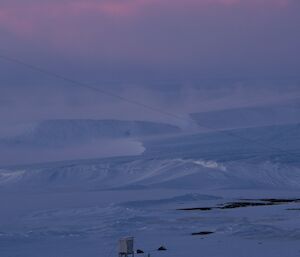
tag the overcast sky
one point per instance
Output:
(180, 56)
(158, 43)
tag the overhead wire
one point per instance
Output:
(77, 83)
(73, 82)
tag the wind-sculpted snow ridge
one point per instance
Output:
(106, 174)
(146, 173)
(68, 132)
(210, 160)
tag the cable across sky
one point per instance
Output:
(76, 83)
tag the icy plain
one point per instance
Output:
(177, 193)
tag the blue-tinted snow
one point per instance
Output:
(81, 208)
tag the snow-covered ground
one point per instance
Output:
(177, 187)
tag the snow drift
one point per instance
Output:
(269, 159)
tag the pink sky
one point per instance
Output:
(181, 56)
(29, 19)
(156, 36)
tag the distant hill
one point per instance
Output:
(68, 132)
(249, 116)
(259, 142)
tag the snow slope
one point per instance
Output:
(249, 116)
(81, 208)
(245, 158)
